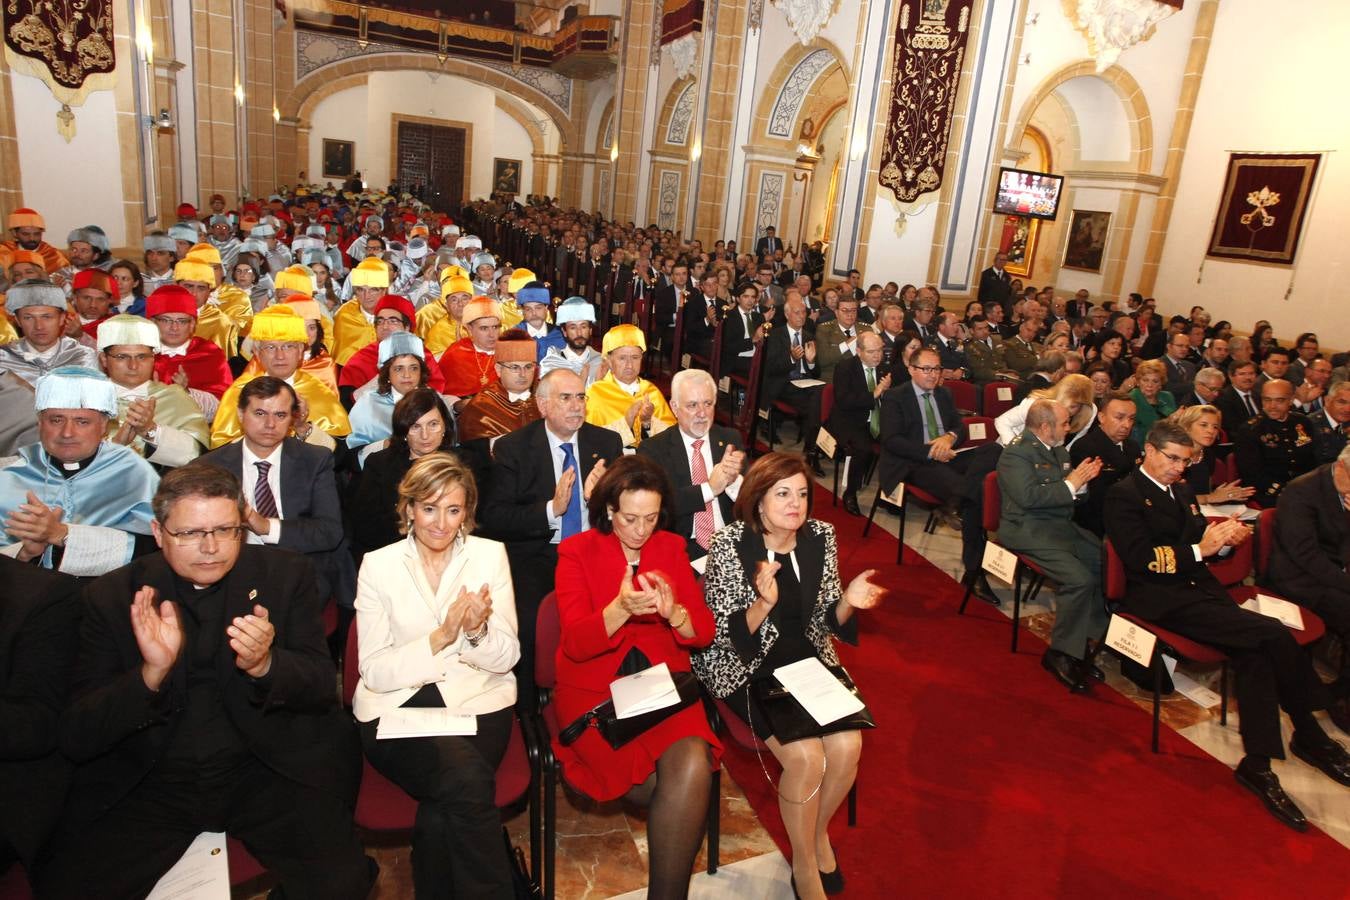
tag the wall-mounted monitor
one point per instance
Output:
(1023, 193)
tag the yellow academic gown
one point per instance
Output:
(325, 411)
(226, 319)
(8, 333)
(511, 314)
(351, 331)
(607, 404)
(174, 408)
(321, 367)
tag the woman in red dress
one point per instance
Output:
(627, 599)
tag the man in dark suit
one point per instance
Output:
(667, 301)
(1108, 440)
(1239, 403)
(741, 331)
(1180, 372)
(768, 245)
(291, 493)
(790, 354)
(996, 284)
(855, 422)
(1155, 525)
(954, 361)
(203, 700)
(703, 461)
(1309, 556)
(542, 476)
(1276, 447)
(39, 617)
(920, 429)
(1330, 423)
(700, 320)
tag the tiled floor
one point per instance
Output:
(602, 851)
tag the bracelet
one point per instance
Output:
(682, 621)
(477, 637)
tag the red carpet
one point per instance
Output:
(984, 777)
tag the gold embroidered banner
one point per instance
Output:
(1264, 203)
(930, 43)
(64, 43)
(680, 17)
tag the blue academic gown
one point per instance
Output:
(554, 339)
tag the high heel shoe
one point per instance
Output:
(833, 882)
(793, 881)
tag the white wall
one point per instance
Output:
(70, 184)
(364, 114)
(1246, 107)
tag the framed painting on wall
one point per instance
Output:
(1087, 240)
(505, 176)
(1019, 242)
(339, 158)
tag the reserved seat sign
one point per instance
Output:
(1130, 640)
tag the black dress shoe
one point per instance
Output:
(1095, 673)
(979, 587)
(1266, 786)
(851, 505)
(833, 882)
(1326, 755)
(1066, 669)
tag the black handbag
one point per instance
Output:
(789, 720)
(618, 731)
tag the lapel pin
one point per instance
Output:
(253, 595)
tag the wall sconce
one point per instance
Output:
(1026, 59)
(696, 151)
(1033, 19)
(163, 121)
(238, 93)
(276, 114)
(614, 152)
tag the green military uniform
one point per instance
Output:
(1019, 356)
(1037, 522)
(1271, 454)
(985, 361)
(829, 353)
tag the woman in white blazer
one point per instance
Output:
(436, 627)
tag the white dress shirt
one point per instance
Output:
(250, 482)
(555, 452)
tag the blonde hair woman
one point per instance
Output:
(1151, 402)
(436, 627)
(1204, 423)
(1074, 391)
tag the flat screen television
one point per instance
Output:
(1023, 193)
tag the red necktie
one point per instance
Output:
(703, 520)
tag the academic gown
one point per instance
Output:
(325, 411)
(491, 413)
(204, 363)
(184, 433)
(607, 404)
(351, 331)
(225, 318)
(363, 366)
(20, 358)
(436, 329)
(466, 369)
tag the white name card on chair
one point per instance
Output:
(685, 360)
(896, 496)
(201, 873)
(724, 384)
(1130, 640)
(764, 414)
(978, 432)
(1003, 393)
(999, 562)
(825, 443)
(616, 309)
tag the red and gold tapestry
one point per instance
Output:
(930, 42)
(680, 17)
(1264, 203)
(71, 40)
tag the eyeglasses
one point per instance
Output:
(174, 323)
(1183, 461)
(225, 534)
(517, 368)
(131, 357)
(927, 370)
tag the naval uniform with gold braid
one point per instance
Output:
(1155, 535)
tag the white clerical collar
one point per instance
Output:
(630, 389)
(517, 398)
(536, 332)
(480, 351)
(175, 351)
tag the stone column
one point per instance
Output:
(631, 106)
(723, 39)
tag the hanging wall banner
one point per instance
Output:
(67, 46)
(930, 43)
(1264, 203)
(680, 17)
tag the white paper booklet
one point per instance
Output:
(643, 692)
(1286, 612)
(433, 722)
(201, 873)
(818, 690)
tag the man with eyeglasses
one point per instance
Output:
(542, 477)
(72, 501)
(1277, 446)
(508, 405)
(159, 421)
(279, 341)
(1155, 525)
(224, 311)
(354, 322)
(1180, 371)
(191, 362)
(920, 429)
(202, 700)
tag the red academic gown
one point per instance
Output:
(204, 363)
(590, 567)
(466, 370)
(364, 365)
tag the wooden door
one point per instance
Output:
(432, 157)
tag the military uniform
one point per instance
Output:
(1117, 462)
(985, 361)
(1328, 437)
(1020, 357)
(1037, 521)
(1271, 454)
(1156, 535)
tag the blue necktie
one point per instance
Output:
(571, 519)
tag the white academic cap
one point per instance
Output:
(182, 231)
(77, 387)
(401, 343)
(34, 292)
(469, 242)
(159, 242)
(127, 330)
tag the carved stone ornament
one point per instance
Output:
(1113, 26)
(684, 53)
(806, 17)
